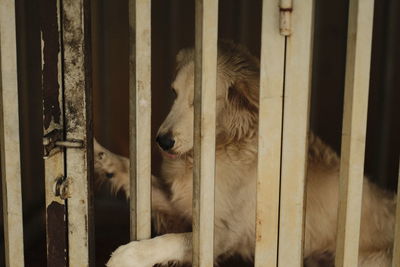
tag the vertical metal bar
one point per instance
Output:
(140, 117)
(359, 40)
(9, 138)
(396, 247)
(77, 96)
(205, 81)
(295, 134)
(56, 225)
(269, 139)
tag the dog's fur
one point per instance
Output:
(235, 187)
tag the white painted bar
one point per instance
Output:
(9, 138)
(204, 131)
(285, 4)
(270, 136)
(295, 134)
(358, 61)
(396, 247)
(140, 117)
(77, 127)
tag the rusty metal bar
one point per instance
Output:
(205, 81)
(359, 41)
(9, 138)
(56, 225)
(140, 117)
(269, 138)
(78, 118)
(295, 134)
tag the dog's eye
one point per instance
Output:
(109, 175)
(175, 95)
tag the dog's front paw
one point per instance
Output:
(134, 254)
(112, 168)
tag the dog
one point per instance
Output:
(235, 180)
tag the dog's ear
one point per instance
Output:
(239, 117)
(184, 55)
(244, 95)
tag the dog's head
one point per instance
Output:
(237, 100)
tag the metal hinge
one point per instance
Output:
(62, 187)
(52, 143)
(285, 9)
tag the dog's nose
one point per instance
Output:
(165, 141)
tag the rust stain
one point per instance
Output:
(56, 235)
(288, 9)
(51, 49)
(258, 234)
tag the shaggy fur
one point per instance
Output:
(235, 188)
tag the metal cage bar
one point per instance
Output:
(295, 134)
(77, 98)
(359, 41)
(140, 117)
(269, 137)
(53, 124)
(9, 138)
(205, 81)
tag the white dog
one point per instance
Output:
(235, 189)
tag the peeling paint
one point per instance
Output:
(77, 88)
(56, 227)
(55, 221)
(50, 56)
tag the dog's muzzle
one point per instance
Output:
(165, 141)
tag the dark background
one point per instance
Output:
(173, 29)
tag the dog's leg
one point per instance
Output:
(158, 250)
(111, 168)
(115, 170)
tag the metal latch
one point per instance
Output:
(62, 187)
(285, 8)
(52, 142)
